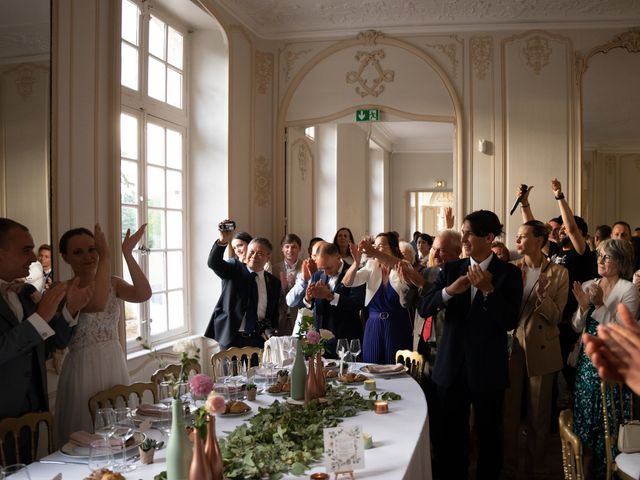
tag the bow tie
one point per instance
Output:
(15, 286)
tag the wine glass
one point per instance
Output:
(100, 454)
(17, 471)
(104, 423)
(355, 348)
(124, 429)
(342, 349)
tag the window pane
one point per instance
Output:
(130, 22)
(174, 189)
(174, 229)
(156, 271)
(176, 309)
(157, 81)
(174, 149)
(128, 182)
(155, 187)
(128, 136)
(174, 270)
(157, 37)
(158, 311)
(129, 219)
(132, 320)
(155, 144)
(155, 228)
(174, 88)
(129, 66)
(174, 54)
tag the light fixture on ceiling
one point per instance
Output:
(441, 183)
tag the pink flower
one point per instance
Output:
(215, 403)
(313, 337)
(201, 385)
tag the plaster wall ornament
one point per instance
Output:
(302, 153)
(630, 40)
(264, 70)
(290, 58)
(370, 75)
(370, 37)
(481, 55)
(537, 52)
(262, 177)
(451, 51)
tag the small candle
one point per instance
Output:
(319, 476)
(368, 440)
(369, 384)
(381, 406)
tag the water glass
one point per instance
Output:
(100, 455)
(124, 429)
(342, 349)
(17, 471)
(104, 423)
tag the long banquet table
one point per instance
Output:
(400, 440)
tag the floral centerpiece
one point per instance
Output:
(200, 385)
(314, 341)
(189, 354)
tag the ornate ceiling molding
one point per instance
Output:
(264, 70)
(481, 55)
(370, 37)
(290, 59)
(451, 51)
(629, 40)
(370, 62)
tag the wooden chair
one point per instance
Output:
(161, 374)
(413, 361)
(571, 447)
(109, 398)
(245, 354)
(31, 422)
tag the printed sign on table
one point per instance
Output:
(343, 448)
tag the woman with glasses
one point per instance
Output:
(597, 302)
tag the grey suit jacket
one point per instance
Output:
(23, 377)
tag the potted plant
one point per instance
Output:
(252, 391)
(147, 449)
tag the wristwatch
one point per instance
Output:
(560, 196)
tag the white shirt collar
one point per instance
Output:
(483, 264)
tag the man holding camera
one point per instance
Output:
(247, 311)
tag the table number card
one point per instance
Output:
(343, 448)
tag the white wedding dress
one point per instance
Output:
(95, 362)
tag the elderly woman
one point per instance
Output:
(597, 302)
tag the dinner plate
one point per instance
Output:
(365, 369)
(239, 414)
(277, 394)
(358, 382)
(73, 450)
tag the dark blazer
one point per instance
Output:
(342, 319)
(22, 358)
(474, 340)
(232, 304)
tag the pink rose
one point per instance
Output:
(200, 385)
(313, 337)
(215, 403)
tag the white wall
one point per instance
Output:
(352, 179)
(325, 181)
(413, 172)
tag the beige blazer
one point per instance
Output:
(538, 330)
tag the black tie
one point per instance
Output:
(251, 314)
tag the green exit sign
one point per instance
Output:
(368, 115)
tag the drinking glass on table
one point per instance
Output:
(355, 348)
(100, 454)
(124, 430)
(104, 423)
(17, 471)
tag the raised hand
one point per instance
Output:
(581, 296)
(524, 195)
(481, 279)
(227, 235)
(49, 302)
(130, 241)
(356, 251)
(77, 297)
(309, 267)
(102, 247)
(449, 218)
(556, 187)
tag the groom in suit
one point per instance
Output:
(481, 296)
(29, 331)
(247, 311)
(336, 307)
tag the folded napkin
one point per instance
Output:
(385, 368)
(154, 410)
(84, 439)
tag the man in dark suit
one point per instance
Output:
(336, 307)
(481, 295)
(29, 331)
(247, 310)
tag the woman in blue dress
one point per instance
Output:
(598, 300)
(389, 326)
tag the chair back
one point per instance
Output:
(571, 447)
(251, 356)
(414, 361)
(162, 374)
(31, 422)
(613, 415)
(109, 398)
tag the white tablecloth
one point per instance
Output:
(400, 439)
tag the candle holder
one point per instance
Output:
(319, 476)
(370, 385)
(381, 406)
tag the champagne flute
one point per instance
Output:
(104, 423)
(124, 430)
(100, 455)
(355, 348)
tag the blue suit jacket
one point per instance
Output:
(473, 347)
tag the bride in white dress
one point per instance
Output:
(95, 361)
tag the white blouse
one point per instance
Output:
(623, 292)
